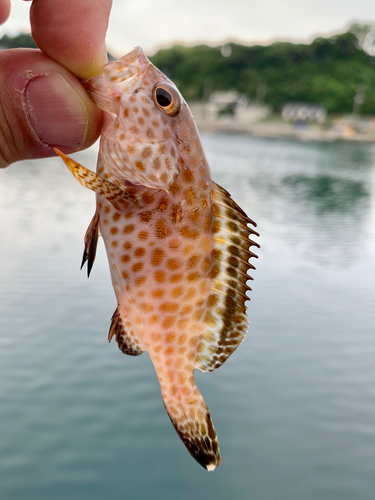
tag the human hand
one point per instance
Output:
(42, 101)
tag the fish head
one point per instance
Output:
(146, 124)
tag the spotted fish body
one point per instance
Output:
(177, 244)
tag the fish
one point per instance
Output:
(178, 246)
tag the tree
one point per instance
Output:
(21, 40)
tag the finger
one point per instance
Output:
(42, 106)
(4, 10)
(72, 32)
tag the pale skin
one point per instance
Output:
(44, 103)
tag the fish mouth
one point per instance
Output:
(121, 72)
(135, 59)
(123, 75)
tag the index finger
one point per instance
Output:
(72, 32)
(4, 10)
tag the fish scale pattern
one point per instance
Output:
(177, 244)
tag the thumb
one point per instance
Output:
(42, 106)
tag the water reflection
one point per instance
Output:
(324, 218)
(328, 216)
(326, 194)
(296, 403)
(310, 200)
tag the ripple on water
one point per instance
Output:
(294, 407)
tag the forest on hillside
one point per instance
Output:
(22, 40)
(329, 71)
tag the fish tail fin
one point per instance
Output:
(192, 420)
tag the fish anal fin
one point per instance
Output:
(91, 242)
(125, 337)
(192, 421)
(226, 319)
(120, 198)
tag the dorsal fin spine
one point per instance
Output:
(226, 318)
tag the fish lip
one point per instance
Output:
(119, 77)
(136, 54)
(129, 69)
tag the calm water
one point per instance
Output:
(294, 407)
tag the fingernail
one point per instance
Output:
(56, 111)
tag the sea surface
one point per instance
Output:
(294, 407)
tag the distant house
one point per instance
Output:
(232, 105)
(303, 112)
(227, 101)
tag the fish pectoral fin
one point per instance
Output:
(125, 336)
(118, 197)
(226, 319)
(91, 242)
(145, 164)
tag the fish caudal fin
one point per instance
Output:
(226, 319)
(91, 242)
(192, 421)
(118, 197)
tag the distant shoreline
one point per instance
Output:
(339, 130)
(278, 131)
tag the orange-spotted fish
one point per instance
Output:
(177, 244)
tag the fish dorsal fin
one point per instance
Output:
(226, 319)
(125, 336)
(120, 197)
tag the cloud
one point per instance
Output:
(18, 20)
(153, 24)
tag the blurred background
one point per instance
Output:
(288, 127)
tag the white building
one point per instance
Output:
(232, 105)
(303, 112)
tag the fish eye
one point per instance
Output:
(167, 99)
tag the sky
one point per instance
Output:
(161, 23)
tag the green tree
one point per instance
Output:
(21, 40)
(328, 71)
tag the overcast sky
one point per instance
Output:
(156, 23)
